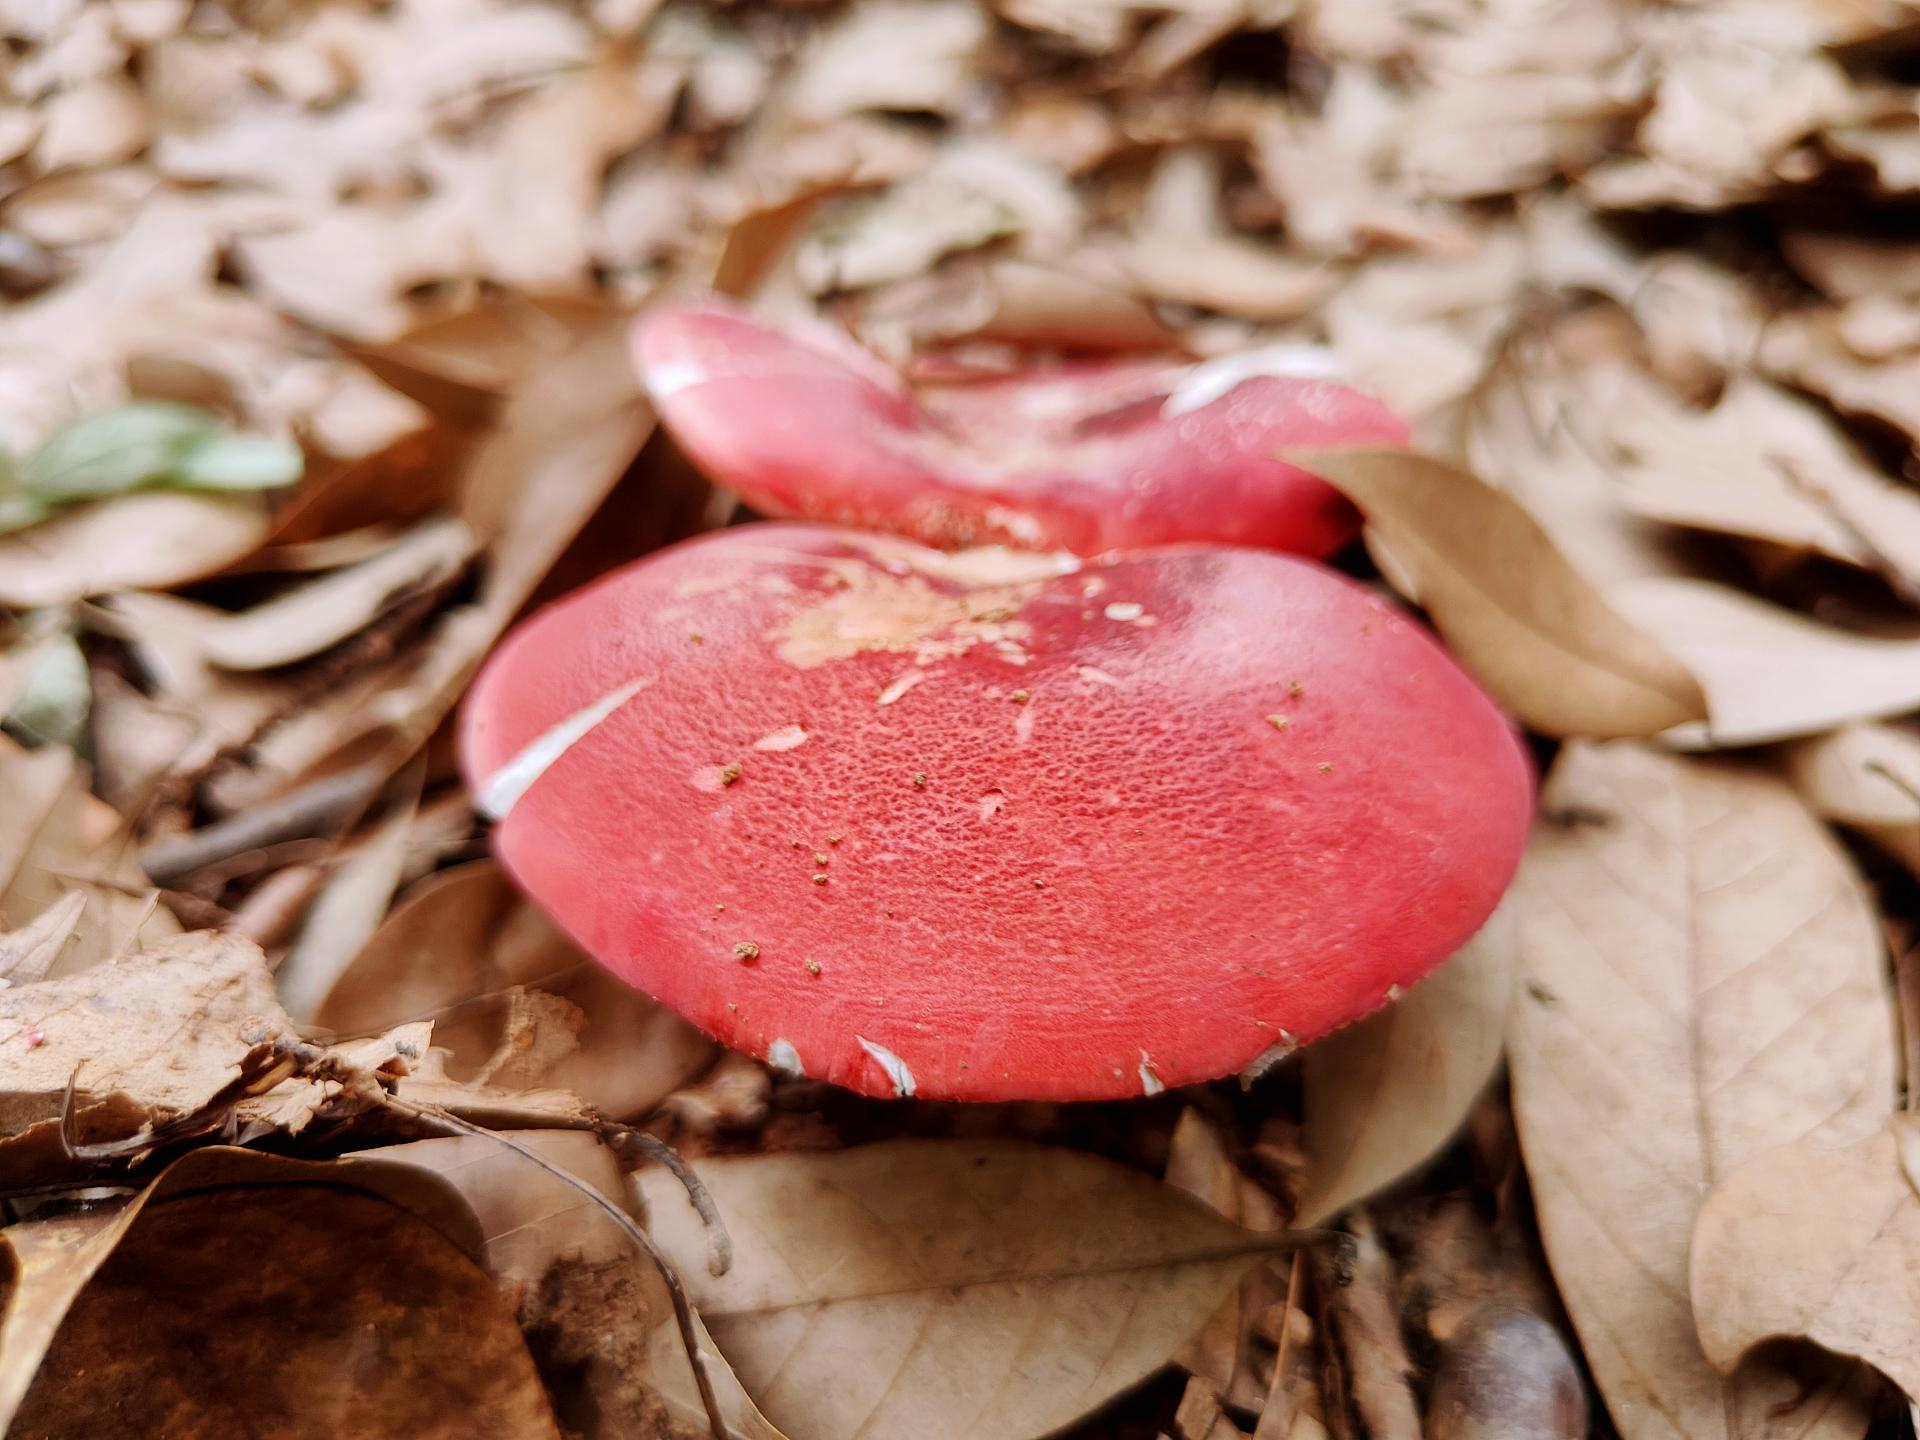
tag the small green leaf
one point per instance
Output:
(116, 451)
(18, 510)
(228, 461)
(53, 708)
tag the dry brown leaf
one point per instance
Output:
(940, 1289)
(592, 1305)
(887, 55)
(58, 839)
(1809, 349)
(145, 1039)
(1224, 1353)
(973, 192)
(1769, 673)
(1819, 1241)
(1383, 1096)
(321, 613)
(149, 541)
(27, 954)
(458, 946)
(1362, 1318)
(346, 913)
(1017, 301)
(334, 1300)
(1867, 777)
(1545, 642)
(1702, 980)
(1765, 465)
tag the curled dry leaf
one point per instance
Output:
(940, 1290)
(1770, 674)
(1384, 1095)
(157, 1035)
(1765, 465)
(457, 948)
(1546, 643)
(1701, 980)
(1817, 1241)
(247, 1294)
(1867, 777)
(593, 1307)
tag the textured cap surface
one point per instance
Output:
(1087, 458)
(991, 825)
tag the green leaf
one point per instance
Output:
(141, 444)
(53, 708)
(228, 461)
(114, 452)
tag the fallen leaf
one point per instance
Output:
(142, 1040)
(59, 840)
(27, 954)
(458, 946)
(887, 55)
(318, 1300)
(1361, 1316)
(1701, 980)
(321, 613)
(147, 443)
(1741, 648)
(592, 1306)
(1867, 777)
(1819, 1241)
(1546, 643)
(1767, 466)
(149, 541)
(345, 913)
(946, 1289)
(53, 701)
(973, 192)
(1224, 1355)
(1382, 1097)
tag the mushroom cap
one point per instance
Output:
(990, 825)
(1087, 458)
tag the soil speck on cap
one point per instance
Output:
(730, 773)
(1279, 722)
(1020, 697)
(746, 950)
(820, 879)
(813, 967)
(1296, 689)
(833, 839)
(919, 779)
(818, 858)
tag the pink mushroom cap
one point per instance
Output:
(990, 825)
(1087, 457)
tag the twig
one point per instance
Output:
(719, 1242)
(682, 1309)
(329, 803)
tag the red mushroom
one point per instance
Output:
(1087, 458)
(986, 824)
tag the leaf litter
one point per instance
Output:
(313, 378)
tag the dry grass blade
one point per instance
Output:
(1701, 980)
(1546, 643)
